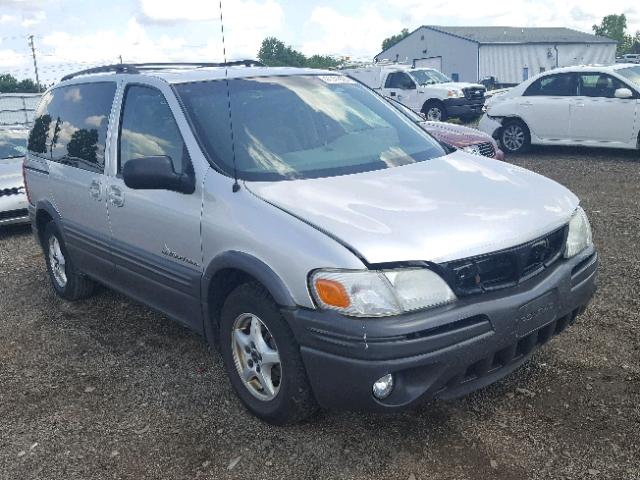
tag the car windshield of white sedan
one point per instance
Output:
(429, 77)
(13, 143)
(632, 74)
(303, 126)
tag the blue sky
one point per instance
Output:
(72, 34)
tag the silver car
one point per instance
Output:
(13, 200)
(333, 251)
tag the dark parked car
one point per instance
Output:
(464, 138)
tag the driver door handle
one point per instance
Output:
(116, 196)
(95, 189)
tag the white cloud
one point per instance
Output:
(246, 22)
(578, 14)
(10, 58)
(33, 19)
(358, 34)
(4, 18)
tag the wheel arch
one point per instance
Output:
(45, 213)
(226, 272)
(433, 101)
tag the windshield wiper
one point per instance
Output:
(11, 156)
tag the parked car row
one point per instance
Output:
(335, 254)
(594, 106)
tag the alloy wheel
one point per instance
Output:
(256, 357)
(57, 262)
(513, 137)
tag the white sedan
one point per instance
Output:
(591, 106)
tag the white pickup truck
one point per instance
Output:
(423, 90)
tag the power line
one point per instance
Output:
(35, 63)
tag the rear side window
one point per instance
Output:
(148, 128)
(71, 124)
(562, 85)
(598, 85)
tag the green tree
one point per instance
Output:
(275, 53)
(10, 84)
(321, 61)
(615, 27)
(393, 39)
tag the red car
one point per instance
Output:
(464, 138)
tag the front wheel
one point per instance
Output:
(435, 112)
(262, 357)
(515, 137)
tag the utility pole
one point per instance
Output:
(35, 63)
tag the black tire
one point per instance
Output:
(434, 105)
(515, 137)
(77, 285)
(294, 401)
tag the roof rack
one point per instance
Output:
(138, 67)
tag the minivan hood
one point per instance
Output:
(448, 208)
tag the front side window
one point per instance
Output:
(399, 80)
(561, 85)
(632, 74)
(598, 85)
(148, 128)
(71, 124)
(309, 126)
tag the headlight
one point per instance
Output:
(473, 149)
(579, 236)
(455, 93)
(370, 293)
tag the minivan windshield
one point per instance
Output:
(632, 74)
(302, 126)
(428, 77)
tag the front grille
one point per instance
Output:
(487, 150)
(13, 214)
(6, 192)
(505, 268)
(474, 93)
(508, 356)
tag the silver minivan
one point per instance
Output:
(335, 253)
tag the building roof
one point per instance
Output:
(521, 34)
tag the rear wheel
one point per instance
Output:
(515, 137)
(262, 357)
(65, 278)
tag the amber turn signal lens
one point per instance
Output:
(332, 293)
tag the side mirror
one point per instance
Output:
(156, 173)
(623, 93)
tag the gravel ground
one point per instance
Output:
(106, 388)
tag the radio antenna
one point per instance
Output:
(236, 185)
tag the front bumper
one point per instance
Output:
(13, 207)
(462, 107)
(489, 125)
(445, 352)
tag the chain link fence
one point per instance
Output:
(18, 108)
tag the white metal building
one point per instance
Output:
(510, 54)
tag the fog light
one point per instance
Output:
(383, 386)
